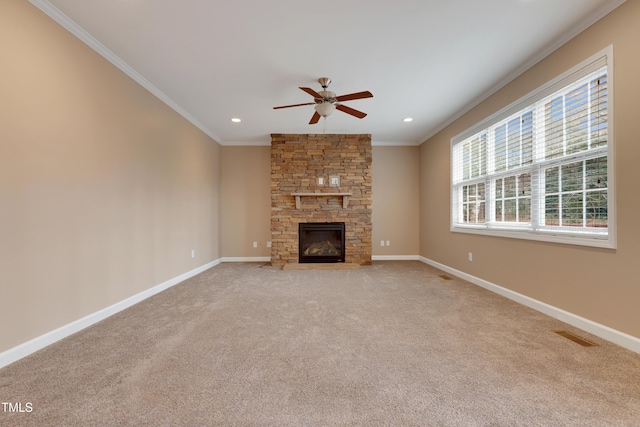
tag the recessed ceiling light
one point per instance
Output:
(236, 120)
(407, 119)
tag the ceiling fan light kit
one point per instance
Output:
(325, 109)
(326, 102)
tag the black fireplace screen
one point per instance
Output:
(320, 242)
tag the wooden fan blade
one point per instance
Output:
(314, 118)
(311, 92)
(352, 96)
(349, 110)
(294, 105)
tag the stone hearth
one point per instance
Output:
(297, 161)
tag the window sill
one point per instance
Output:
(606, 242)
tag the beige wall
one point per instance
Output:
(104, 190)
(600, 285)
(395, 200)
(246, 201)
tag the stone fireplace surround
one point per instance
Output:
(297, 161)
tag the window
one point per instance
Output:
(542, 168)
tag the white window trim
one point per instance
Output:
(546, 235)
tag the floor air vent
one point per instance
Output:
(576, 339)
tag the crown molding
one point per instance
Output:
(54, 13)
(542, 54)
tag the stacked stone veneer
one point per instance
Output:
(296, 163)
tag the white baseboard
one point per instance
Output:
(373, 258)
(246, 259)
(620, 338)
(395, 258)
(16, 353)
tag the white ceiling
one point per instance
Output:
(431, 60)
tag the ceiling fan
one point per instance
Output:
(326, 101)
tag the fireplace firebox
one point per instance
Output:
(321, 242)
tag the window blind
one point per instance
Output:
(541, 166)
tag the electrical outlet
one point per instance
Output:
(381, 242)
(268, 244)
(470, 256)
(255, 244)
(193, 253)
(388, 243)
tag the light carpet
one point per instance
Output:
(392, 344)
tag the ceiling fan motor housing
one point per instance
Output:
(327, 96)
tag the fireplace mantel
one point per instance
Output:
(299, 196)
